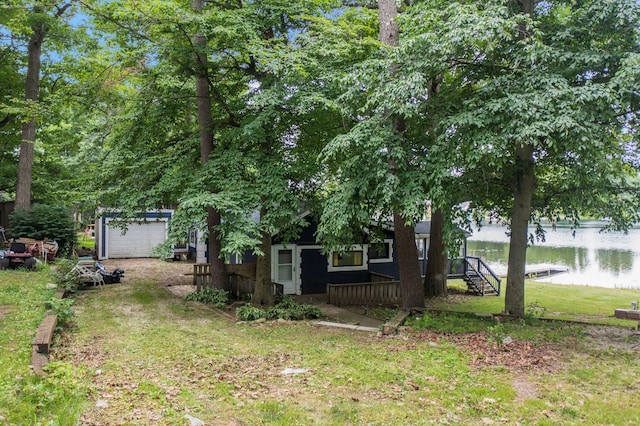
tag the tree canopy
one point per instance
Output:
(524, 109)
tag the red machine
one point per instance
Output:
(19, 254)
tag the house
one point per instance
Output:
(302, 267)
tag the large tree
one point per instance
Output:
(41, 18)
(11, 84)
(394, 101)
(411, 288)
(543, 127)
(250, 136)
(273, 135)
(435, 280)
(45, 100)
(171, 126)
(206, 133)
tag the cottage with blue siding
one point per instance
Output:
(302, 268)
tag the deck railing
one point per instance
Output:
(375, 277)
(378, 292)
(201, 276)
(489, 281)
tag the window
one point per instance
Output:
(381, 252)
(420, 245)
(352, 260)
(349, 258)
(285, 265)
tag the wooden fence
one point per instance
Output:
(372, 293)
(242, 278)
(201, 276)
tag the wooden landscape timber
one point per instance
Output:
(391, 326)
(43, 340)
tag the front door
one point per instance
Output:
(284, 270)
(314, 271)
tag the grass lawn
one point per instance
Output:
(139, 355)
(85, 242)
(552, 301)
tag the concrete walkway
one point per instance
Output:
(340, 315)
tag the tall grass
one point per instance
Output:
(25, 398)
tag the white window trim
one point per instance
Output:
(420, 249)
(386, 259)
(363, 267)
(422, 255)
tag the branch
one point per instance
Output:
(456, 62)
(62, 9)
(212, 89)
(116, 22)
(6, 120)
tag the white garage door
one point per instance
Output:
(138, 241)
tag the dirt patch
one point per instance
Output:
(612, 338)
(91, 353)
(4, 310)
(162, 272)
(175, 277)
(517, 355)
(525, 388)
(181, 290)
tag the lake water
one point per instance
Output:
(593, 258)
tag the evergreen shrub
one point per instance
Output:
(44, 221)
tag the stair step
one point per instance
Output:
(477, 284)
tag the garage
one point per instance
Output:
(137, 239)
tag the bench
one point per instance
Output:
(180, 253)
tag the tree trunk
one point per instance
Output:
(411, 286)
(219, 278)
(25, 160)
(387, 13)
(523, 188)
(435, 280)
(263, 290)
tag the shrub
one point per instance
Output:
(61, 308)
(287, 309)
(43, 221)
(250, 313)
(63, 276)
(215, 296)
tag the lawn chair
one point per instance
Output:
(84, 274)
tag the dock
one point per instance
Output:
(545, 271)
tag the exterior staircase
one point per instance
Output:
(480, 279)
